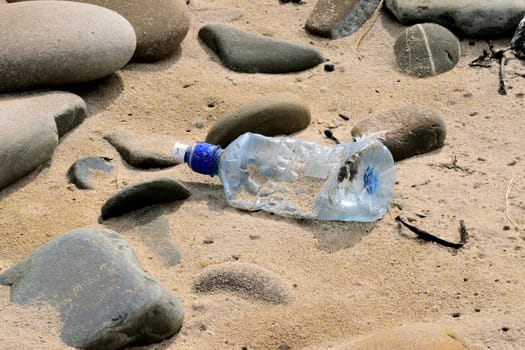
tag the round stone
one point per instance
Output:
(48, 43)
(426, 49)
(272, 115)
(406, 132)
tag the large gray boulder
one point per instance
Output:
(28, 138)
(48, 43)
(160, 25)
(474, 18)
(105, 299)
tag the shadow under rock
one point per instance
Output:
(98, 94)
(332, 236)
(140, 217)
(155, 66)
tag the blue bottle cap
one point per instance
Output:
(203, 158)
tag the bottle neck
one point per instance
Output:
(203, 158)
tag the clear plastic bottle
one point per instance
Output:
(294, 178)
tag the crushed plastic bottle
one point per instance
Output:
(299, 179)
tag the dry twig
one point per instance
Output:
(509, 188)
(366, 28)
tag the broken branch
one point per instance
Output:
(463, 234)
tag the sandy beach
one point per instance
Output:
(345, 280)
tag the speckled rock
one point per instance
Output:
(246, 280)
(143, 151)
(68, 110)
(28, 138)
(60, 42)
(407, 131)
(335, 18)
(155, 191)
(271, 115)
(79, 172)
(254, 53)
(105, 299)
(426, 49)
(474, 18)
(160, 26)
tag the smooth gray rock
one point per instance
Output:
(339, 18)
(49, 43)
(105, 299)
(160, 26)
(518, 40)
(406, 131)
(155, 191)
(248, 52)
(79, 172)
(28, 138)
(426, 49)
(473, 18)
(68, 110)
(246, 280)
(271, 115)
(142, 150)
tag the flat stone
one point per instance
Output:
(52, 43)
(407, 131)
(143, 151)
(105, 299)
(68, 110)
(28, 138)
(271, 115)
(249, 52)
(160, 26)
(79, 172)
(426, 50)
(156, 191)
(336, 19)
(473, 18)
(245, 280)
(518, 40)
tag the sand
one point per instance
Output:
(347, 280)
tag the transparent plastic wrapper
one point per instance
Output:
(299, 179)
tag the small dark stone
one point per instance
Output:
(505, 329)
(329, 67)
(506, 228)
(156, 191)
(456, 314)
(79, 172)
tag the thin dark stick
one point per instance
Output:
(431, 238)
(344, 117)
(502, 81)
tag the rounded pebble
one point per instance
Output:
(426, 49)
(271, 115)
